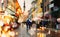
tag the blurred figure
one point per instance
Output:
(32, 30)
(28, 23)
(58, 23)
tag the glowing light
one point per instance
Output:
(12, 33)
(9, 6)
(6, 28)
(49, 32)
(16, 33)
(3, 35)
(1, 23)
(58, 19)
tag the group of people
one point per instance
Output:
(30, 24)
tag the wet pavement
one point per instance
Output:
(22, 31)
(48, 32)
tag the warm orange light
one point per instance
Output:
(18, 9)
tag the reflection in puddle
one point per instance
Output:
(41, 34)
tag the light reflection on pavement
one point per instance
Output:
(41, 34)
(22, 32)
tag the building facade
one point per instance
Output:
(3, 4)
(47, 6)
(37, 10)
